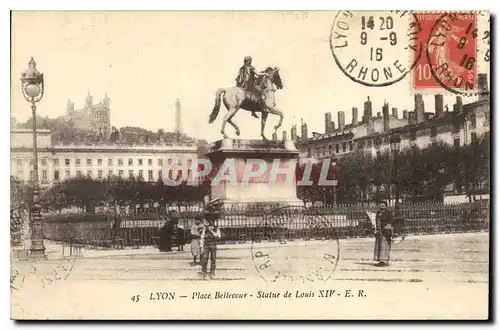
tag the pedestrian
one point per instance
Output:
(178, 235)
(196, 230)
(384, 231)
(165, 241)
(208, 241)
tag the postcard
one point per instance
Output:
(250, 165)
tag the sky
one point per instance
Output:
(145, 60)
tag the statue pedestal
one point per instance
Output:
(252, 173)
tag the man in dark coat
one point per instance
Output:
(165, 242)
(384, 232)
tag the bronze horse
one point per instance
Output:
(236, 98)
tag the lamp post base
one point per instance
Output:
(37, 250)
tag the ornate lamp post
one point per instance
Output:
(395, 141)
(33, 88)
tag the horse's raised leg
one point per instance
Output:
(227, 117)
(263, 125)
(275, 111)
(230, 121)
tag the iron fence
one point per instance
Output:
(243, 223)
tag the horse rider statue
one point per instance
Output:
(254, 92)
(247, 77)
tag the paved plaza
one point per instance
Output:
(453, 268)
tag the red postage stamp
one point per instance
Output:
(449, 60)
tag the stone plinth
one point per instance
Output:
(254, 172)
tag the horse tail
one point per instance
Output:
(216, 109)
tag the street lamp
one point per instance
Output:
(33, 88)
(395, 141)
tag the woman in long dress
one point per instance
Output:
(196, 230)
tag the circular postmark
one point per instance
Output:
(375, 48)
(301, 247)
(453, 54)
(41, 273)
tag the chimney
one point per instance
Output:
(341, 118)
(354, 116)
(275, 136)
(458, 107)
(367, 112)
(328, 119)
(438, 105)
(385, 113)
(332, 126)
(293, 133)
(370, 127)
(395, 112)
(379, 114)
(412, 118)
(405, 114)
(419, 108)
(482, 82)
(284, 136)
(303, 130)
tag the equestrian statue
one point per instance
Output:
(253, 92)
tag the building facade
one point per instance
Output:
(460, 126)
(60, 161)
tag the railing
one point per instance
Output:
(240, 224)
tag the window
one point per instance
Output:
(120, 162)
(189, 162)
(131, 174)
(141, 174)
(89, 161)
(44, 161)
(99, 174)
(350, 145)
(337, 148)
(179, 161)
(473, 120)
(179, 174)
(44, 175)
(110, 162)
(150, 175)
(56, 175)
(19, 162)
(150, 162)
(120, 173)
(77, 162)
(130, 162)
(160, 161)
(487, 118)
(55, 162)
(110, 173)
(89, 174)
(189, 174)
(344, 146)
(433, 131)
(378, 153)
(31, 161)
(67, 173)
(170, 175)
(31, 175)
(78, 174)
(99, 162)
(160, 174)
(456, 142)
(66, 162)
(169, 161)
(369, 143)
(473, 137)
(139, 161)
